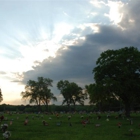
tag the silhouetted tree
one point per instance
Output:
(71, 92)
(118, 72)
(38, 92)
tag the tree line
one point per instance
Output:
(39, 92)
(116, 79)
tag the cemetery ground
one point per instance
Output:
(71, 126)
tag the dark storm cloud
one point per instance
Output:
(109, 37)
(77, 62)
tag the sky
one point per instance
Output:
(60, 40)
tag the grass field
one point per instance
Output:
(62, 128)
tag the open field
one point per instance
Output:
(64, 128)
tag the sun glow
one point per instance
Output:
(9, 89)
(61, 29)
(39, 50)
(33, 52)
(114, 13)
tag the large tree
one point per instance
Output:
(71, 92)
(118, 72)
(1, 98)
(38, 92)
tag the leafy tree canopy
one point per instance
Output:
(71, 92)
(118, 72)
(38, 92)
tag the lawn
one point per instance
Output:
(62, 127)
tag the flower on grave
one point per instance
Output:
(69, 117)
(2, 118)
(11, 122)
(6, 135)
(4, 127)
(26, 122)
(119, 124)
(44, 123)
(97, 125)
(131, 131)
(58, 124)
(108, 115)
(107, 119)
(83, 122)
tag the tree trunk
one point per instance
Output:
(127, 110)
(74, 105)
(69, 107)
(100, 106)
(47, 107)
(39, 108)
(38, 105)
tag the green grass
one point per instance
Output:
(35, 130)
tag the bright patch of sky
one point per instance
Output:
(114, 13)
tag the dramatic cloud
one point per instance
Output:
(64, 41)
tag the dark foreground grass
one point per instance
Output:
(35, 130)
